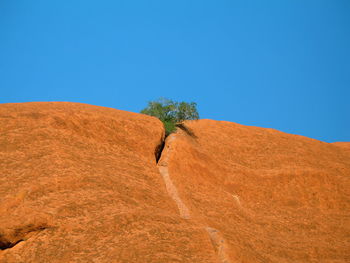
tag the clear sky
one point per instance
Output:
(277, 64)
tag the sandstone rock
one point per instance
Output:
(80, 183)
(344, 145)
(274, 197)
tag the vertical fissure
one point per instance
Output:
(163, 152)
(159, 150)
(162, 164)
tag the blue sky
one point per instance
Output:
(276, 64)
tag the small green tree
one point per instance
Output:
(186, 111)
(171, 113)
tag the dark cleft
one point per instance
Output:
(159, 150)
(4, 244)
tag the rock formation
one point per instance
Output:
(273, 197)
(81, 183)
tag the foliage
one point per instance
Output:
(171, 112)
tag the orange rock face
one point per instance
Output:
(344, 145)
(273, 197)
(80, 183)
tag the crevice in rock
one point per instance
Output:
(163, 151)
(162, 165)
(17, 236)
(6, 244)
(159, 149)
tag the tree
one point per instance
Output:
(171, 113)
(186, 111)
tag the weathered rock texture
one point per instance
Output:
(344, 145)
(80, 183)
(273, 197)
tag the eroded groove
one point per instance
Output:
(5, 244)
(19, 235)
(164, 172)
(172, 192)
(219, 244)
(158, 151)
(216, 238)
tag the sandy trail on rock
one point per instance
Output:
(215, 236)
(172, 191)
(170, 187)
(219, 244)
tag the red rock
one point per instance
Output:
(80, 183)
(274, 197)
(344, 145)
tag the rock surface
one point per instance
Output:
(344, 145)
(274, 197)
(80, 183)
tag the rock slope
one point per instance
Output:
(273, 197)
(81, 183)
